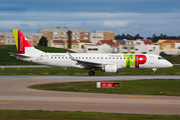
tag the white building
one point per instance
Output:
(139, 47)
(99, 49)
(153, 49)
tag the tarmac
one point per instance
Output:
(15, 95)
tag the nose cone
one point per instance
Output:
(169, 64)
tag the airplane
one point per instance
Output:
(106, 62)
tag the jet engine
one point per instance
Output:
(111, 69)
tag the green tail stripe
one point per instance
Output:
(16, 37)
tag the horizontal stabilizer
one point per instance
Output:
(15, 55)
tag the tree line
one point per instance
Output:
(128, 36)
(154, 38)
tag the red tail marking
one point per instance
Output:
(22, 43)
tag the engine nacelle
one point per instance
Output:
(111, 69)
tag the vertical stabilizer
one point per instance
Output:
(22, 44)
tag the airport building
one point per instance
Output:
(60, 33)
(101, 35)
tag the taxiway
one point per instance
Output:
(15, 95)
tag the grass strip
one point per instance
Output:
(64, 115)
(175, 70)
(168, 87)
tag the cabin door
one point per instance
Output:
(46, 58)
(151, 59)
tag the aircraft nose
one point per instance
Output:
(169, 64)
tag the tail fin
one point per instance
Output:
(22, 44)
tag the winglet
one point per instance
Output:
(71, 57)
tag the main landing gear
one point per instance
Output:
(154, 70)
(91, 73)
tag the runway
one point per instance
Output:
(74, 77)
(15, 95)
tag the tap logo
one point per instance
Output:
(134, 60)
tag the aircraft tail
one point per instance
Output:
(23, 45)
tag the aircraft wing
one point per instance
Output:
(85, 63)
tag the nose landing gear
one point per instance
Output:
(154, 70)
(91, 73)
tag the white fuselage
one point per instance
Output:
(63, 60)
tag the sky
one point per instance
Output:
(144, 17)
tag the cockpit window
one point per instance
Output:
(160, 58)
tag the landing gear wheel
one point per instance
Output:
(154, 70)
(91, 73)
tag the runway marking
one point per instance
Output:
(37, 78)
(5, 102)
(135, 96)
(99, 104)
